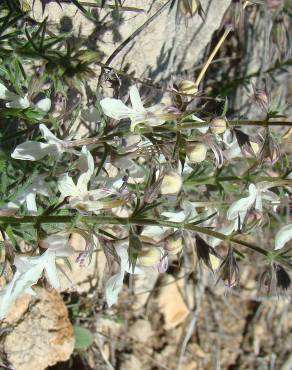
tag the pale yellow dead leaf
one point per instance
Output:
(171, 302)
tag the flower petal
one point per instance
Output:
(86, 161)
(41, 187)
(175, 216)
(283, 236)
(136, 99)
(33, 151)
(7, 298)
(86, 164)
(3, 91)
(67, 187)
(19, 102)
(31, 203)
(44, 104)
(6, 94)
(49, 136)
(115, 108)
(240, 207)
(270, 196)
(22, 282)
(58, 244)
(51, 270)
(113, 287)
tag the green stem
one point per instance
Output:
(252, 178)
(186, 125)
(259, 123)
(201, 230)
(105, 220)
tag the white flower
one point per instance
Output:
(115, 284)
(257, 194)
(80, 196)
(149, 257)
(33, 151)
(17, 101)
(116, 109)
(28, 196)
(30, 269)
(283, 236)
(14, 100)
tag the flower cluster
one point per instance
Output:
(151, 172)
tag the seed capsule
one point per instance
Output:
(218, 126)
(187, 87)
(149, 256)
(171, 183)
(174, 246)
(196, 152)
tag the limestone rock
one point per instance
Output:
(42, 334)
(179, 41)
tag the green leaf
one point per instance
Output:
(135, 247)
(225, 108)
(83, 337)
(9, 231)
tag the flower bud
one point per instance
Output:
(187, 87)
(261, 98)
(196, 152)
(171, 183)
(218, 125)
(174, 246)
(149, 256)
(229, 270)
